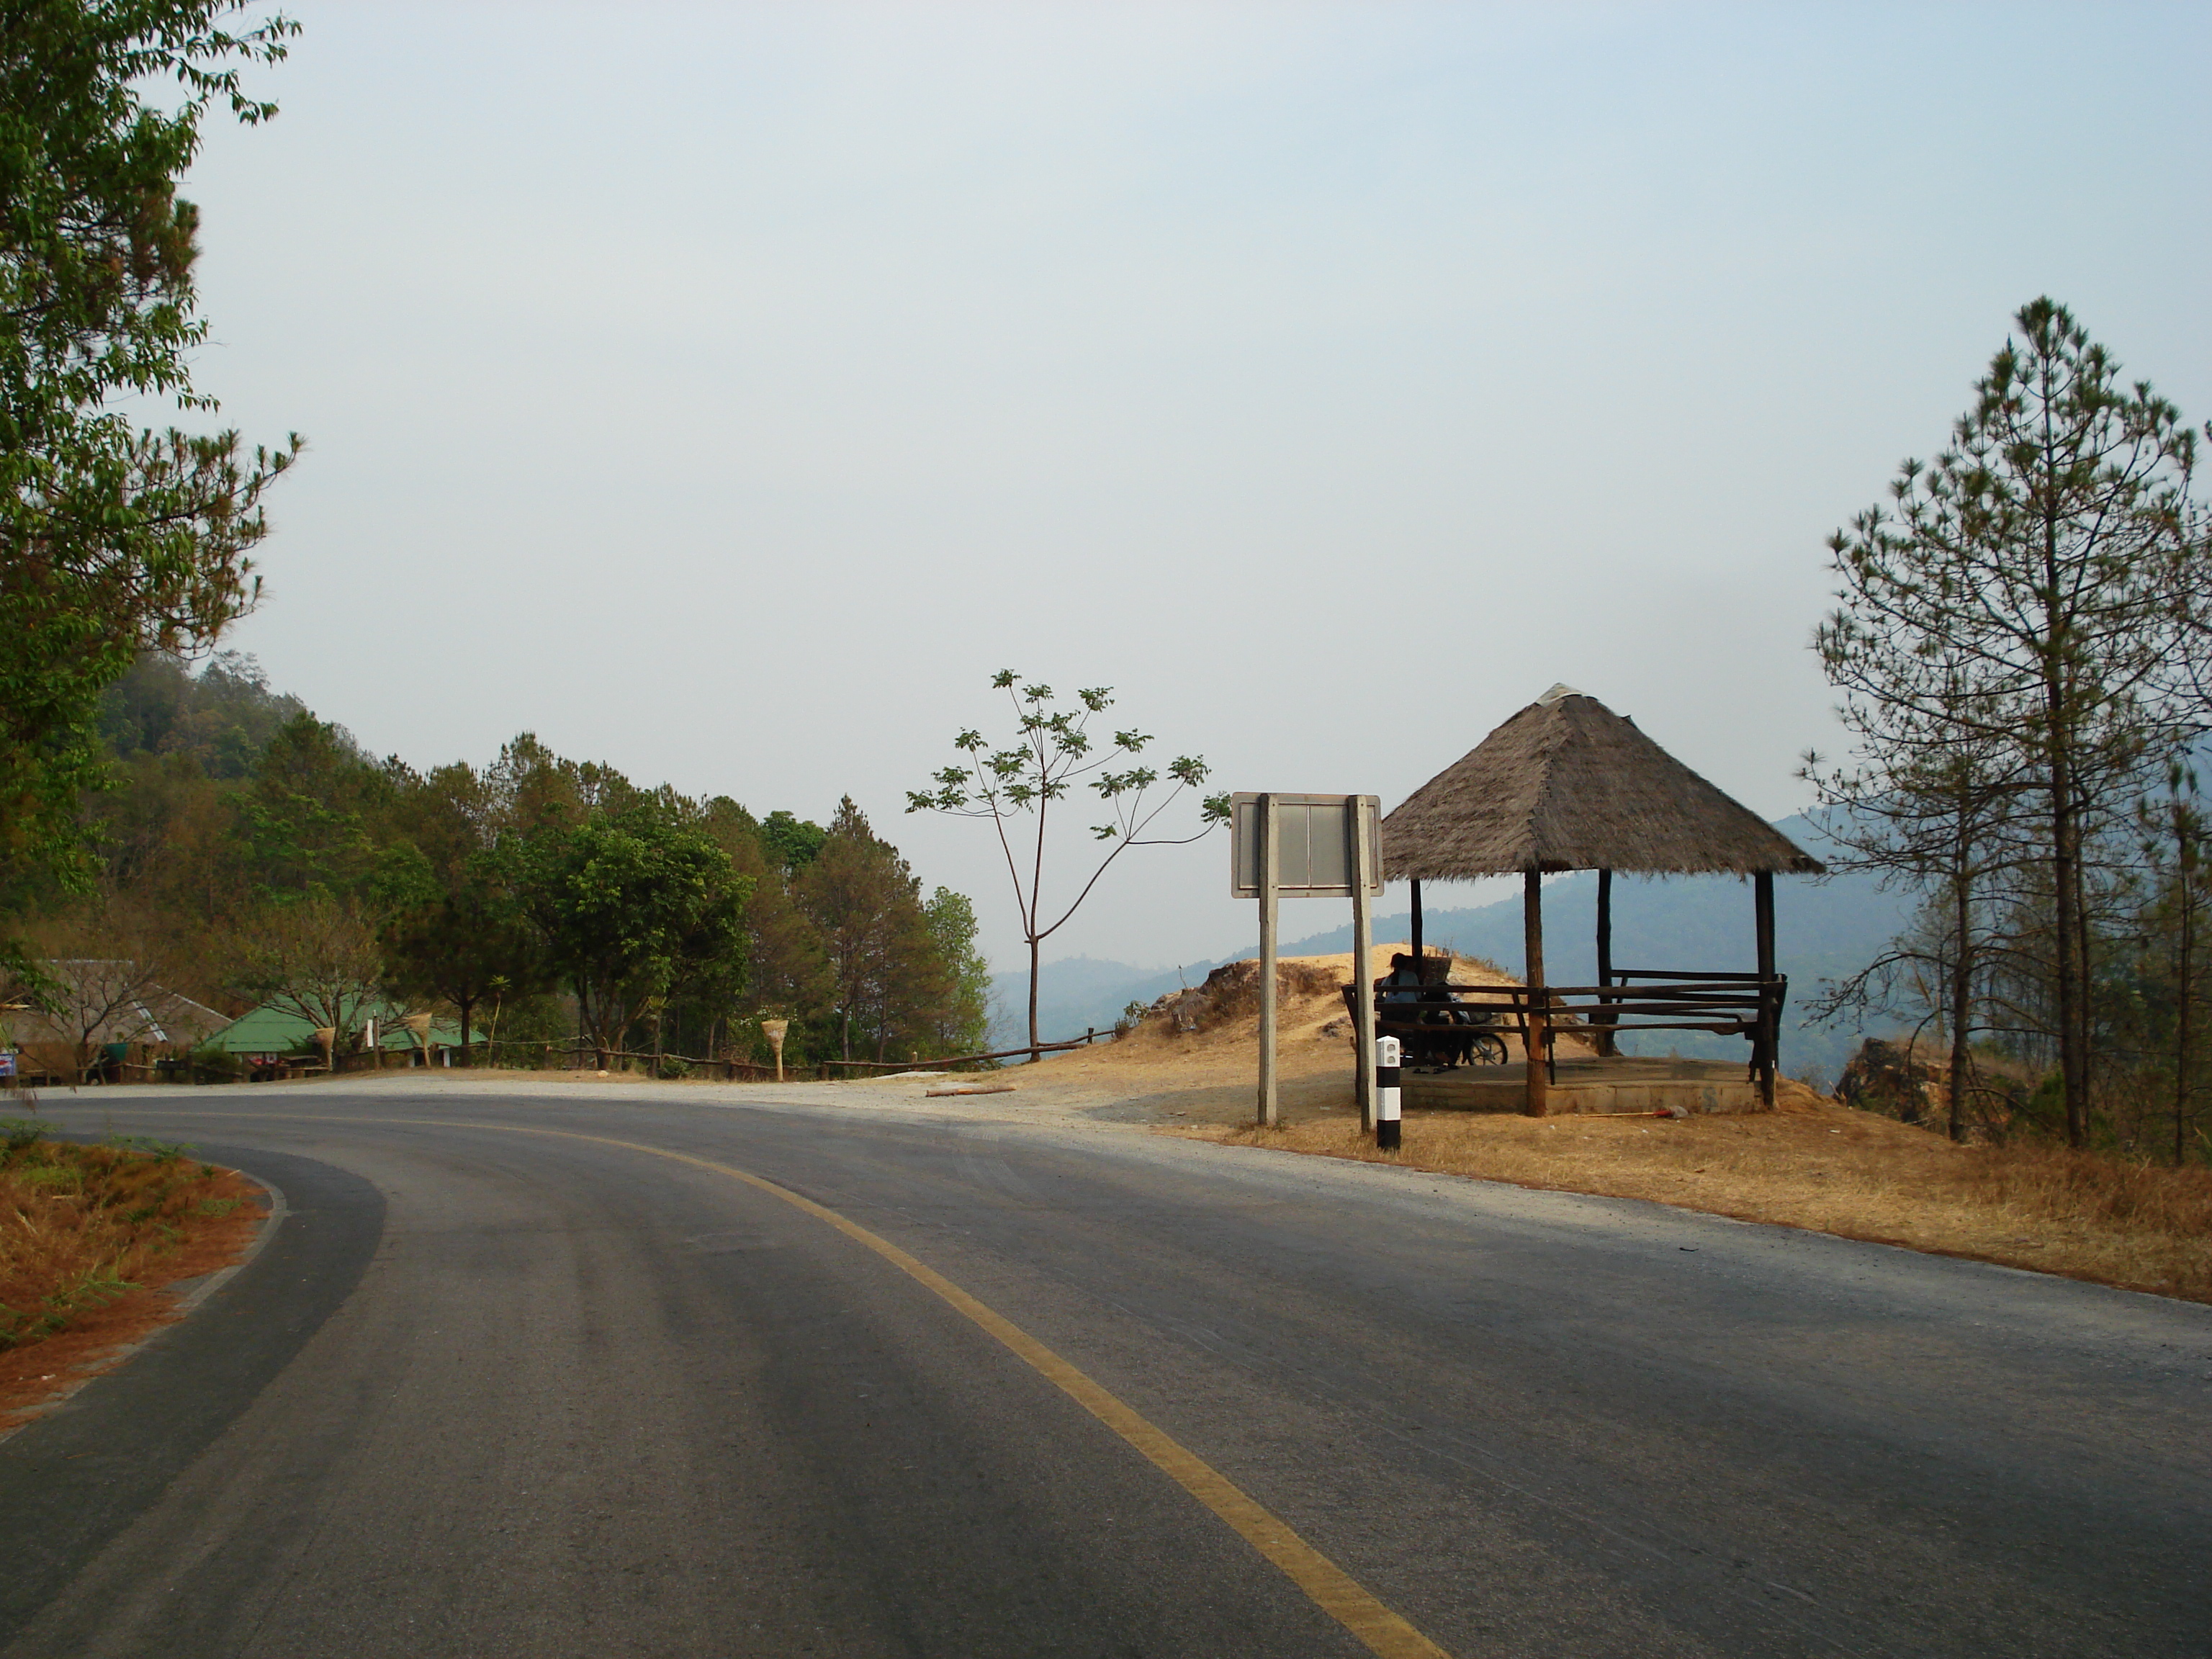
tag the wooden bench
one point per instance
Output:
(1632, 999)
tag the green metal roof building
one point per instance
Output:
(270, 1031)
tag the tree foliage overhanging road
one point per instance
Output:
(114, 537)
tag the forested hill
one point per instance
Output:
(249, 853)
(1827, 928)
(220, 720)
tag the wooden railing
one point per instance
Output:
(1090, 1036)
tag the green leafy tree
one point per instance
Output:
(317, 956)
(631, 908)
(529, 787)
(307, 816)
(2048, 558)
(469, 943)
(113, 538)
(223, 717)
(1050, 753)
(792, 842)
(865, 905)
(444, 813)
(787, 974)
(961, 1022)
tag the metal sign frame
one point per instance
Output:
(1315, 843)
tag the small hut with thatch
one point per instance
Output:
(1566, 784)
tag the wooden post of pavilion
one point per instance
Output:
(1416, 946)
(1363, 969)
(1770, 1037)
(1605, 1042)
(1532, 934)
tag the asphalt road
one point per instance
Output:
(489, 1392)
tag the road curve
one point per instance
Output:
(512, 1379)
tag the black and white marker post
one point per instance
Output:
(1385, 1094)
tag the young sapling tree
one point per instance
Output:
(1051, 753)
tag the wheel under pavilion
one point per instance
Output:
(1566, 785)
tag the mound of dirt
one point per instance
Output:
(1231, 992)
(1911, 1081)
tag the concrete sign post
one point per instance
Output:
(1309, 847)
(1270, 901)
(1367, 854)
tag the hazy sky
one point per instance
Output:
(726, 392)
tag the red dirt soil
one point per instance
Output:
(98, 1338)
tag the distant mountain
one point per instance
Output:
(1076, 994)
(1826, 927)
(1081, 994)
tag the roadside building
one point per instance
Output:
(271, 1041)
(107, 1023)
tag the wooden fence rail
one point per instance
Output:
(1083, 1042)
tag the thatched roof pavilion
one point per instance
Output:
(1567, 784)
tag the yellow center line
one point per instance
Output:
(1333, 1589)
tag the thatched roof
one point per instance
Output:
(1567, 784)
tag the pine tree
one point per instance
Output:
(2036, 589)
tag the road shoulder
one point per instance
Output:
(80, 1473)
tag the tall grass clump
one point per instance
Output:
(2056, 1184)
(80, 1226)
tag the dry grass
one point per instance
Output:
(1821, 1166)
(88, 1237)
(1811, 1163)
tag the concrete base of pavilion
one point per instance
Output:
(1625, 1084)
